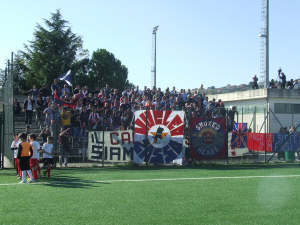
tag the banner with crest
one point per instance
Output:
(159, 134)
(208, 138)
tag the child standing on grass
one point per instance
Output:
(47, 157)
(24, 154)
(15, 147)
(35, 156)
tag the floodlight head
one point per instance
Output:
(154, 30)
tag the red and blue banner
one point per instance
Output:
(57, 100)
(163, 142)
(239, 136)
(208, 139)
(256, 142)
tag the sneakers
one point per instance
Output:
(22, 182)
(19, 178)
(31, 181)
(44, 173)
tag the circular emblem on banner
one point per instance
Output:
(208, 138)
(159, 136)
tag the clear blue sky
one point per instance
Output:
(198, 42)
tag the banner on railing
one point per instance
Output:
(208, 138)
(256, 142)
(158, 136)
(118, 146)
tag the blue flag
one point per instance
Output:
(239, 136)
(67, 77)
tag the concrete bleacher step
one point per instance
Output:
(76, 147)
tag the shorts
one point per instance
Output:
(24, 163)
(33, 162)
(48, 161)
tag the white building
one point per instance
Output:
(284, 103)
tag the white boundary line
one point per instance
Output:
(142, 180)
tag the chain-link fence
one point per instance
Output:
(121, 146)
(150, 137)
(7, 154)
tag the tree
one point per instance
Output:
(19, 82)
(80, 70)
(106, 69)
(52, 52)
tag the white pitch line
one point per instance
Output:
(142, 180)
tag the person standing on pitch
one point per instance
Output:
(15, 147)
(24, 154)
(47, 157)
(35, 156)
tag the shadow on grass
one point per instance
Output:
(69, 181)
(253, 166)
(73, 184)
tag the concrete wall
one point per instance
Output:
(257, 94)
(262, 96)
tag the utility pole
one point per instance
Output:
(153, 69)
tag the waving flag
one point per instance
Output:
(57, 100)
(239, 136)
(67, 77)
(163, 142)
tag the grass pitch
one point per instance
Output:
(216, 194)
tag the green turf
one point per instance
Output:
(264, 200)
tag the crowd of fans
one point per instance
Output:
(89, 110)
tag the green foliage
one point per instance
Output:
(80, 73)
(19, 81)
(106, 69)
(52, 51)
(56, 49)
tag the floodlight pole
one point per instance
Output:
(267, 44)
(154, 69)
